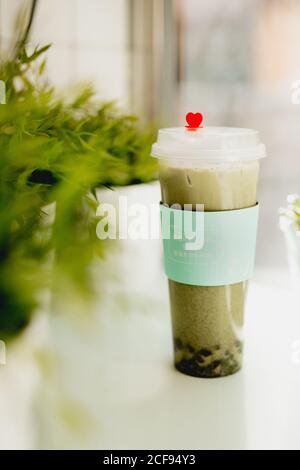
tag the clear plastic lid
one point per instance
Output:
(209, 144)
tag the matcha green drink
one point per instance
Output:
(208, 320)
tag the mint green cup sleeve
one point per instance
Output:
(209, 248)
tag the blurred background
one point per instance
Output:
(235, 62)
(162, 58)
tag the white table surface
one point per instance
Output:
(146, 404)
(258, 408)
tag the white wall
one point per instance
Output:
(89, 39)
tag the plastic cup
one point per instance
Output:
(217, 167)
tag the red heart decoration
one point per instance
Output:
(194, 120)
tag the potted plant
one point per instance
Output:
(290, 225)
(55, 153)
